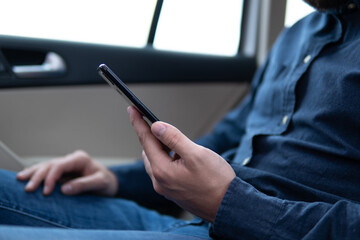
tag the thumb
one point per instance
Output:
(172, 138)
(82, 184)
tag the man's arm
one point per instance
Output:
(194, 177)
(203, 183)
(135, 184)
(88, 175)
(248, 213)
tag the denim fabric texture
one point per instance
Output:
(57, 216)
(294, 144)
(298, 158)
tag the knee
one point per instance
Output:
(7, 174)
(8, 180)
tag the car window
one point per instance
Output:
(115, 22)
(201, 26)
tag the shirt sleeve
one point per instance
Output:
(135, 184)
(249, 214)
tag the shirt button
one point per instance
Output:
(246, 161)
(351, 6)
(285, 120)
(307, 58)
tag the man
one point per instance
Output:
(283, 165)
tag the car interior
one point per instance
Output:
(53, 102)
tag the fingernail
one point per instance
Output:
(159, 129)
(67, 188)
(23, 172)
(46, 190)
(29, 185)
(129, 110)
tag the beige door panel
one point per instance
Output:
(55, 121)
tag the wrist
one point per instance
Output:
(207, 208)
(219, 198)
(113, 184)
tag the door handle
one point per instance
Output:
(53, 66)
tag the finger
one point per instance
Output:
(37, 178)
(75, 161)
(71, 163)
(173, 139)
(54, 174)
(25, 174)
(92, 182)
(147, 165)
(51, 178)
(140, 126)
(155, 181)
(149, 142)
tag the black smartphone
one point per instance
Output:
(114, 81)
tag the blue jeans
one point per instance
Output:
(34, 216)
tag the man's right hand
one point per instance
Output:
(91, 175)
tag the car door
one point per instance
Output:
(53, 102)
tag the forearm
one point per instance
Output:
(135, 184)
(251, 214)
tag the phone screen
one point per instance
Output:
(114, 81)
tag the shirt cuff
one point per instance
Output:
(247, 213)
(129, 176)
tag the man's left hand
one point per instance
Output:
(194, 177)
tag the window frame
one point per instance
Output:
(138, 65)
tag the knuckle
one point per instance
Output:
(159, 174)
(48, 181)
(56, 169)
(148, 169)
(39, 175)
(77, 187)
(132, 121)
(173, 141)
(81, 154)
(156, 173)
(54, 161)
(29, 169)
(143, 154)
(158, 188)
(201, 151)
(40, 165)
(103, 179)
(142, 136)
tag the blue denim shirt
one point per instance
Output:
(300, 140)
(294, 142)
